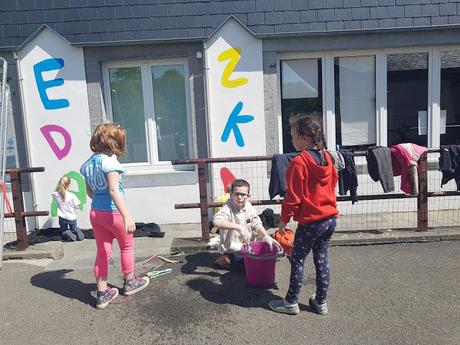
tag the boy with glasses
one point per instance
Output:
(238, 224)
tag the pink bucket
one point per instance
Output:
(260, 264)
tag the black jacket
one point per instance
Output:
(380, 168)
(348, 179)
(449, 164)
(280, 163)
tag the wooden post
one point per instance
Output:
(422, 198)
(202, 172)
(18, 202)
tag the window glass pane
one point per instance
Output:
(450, 98)
(128, 110)
(354, 79)
(301, 90)
(170, 112)
(11, 150)
(407, 98)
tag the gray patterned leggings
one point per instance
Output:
(313, 236)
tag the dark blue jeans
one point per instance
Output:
(313, 236)
(69, 230)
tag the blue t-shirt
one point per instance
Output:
(95, 171)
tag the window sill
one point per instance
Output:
(158, 178)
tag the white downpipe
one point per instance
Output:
(4, 123)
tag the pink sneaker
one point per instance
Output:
(103, 298)
(135, 284)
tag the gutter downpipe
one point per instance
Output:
(4, 123)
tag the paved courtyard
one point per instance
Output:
(381, 294)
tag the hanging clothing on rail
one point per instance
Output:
(404, 160)
(280, 163)
(348, 178)
(379, 167)
(449, 164)
(339, 161)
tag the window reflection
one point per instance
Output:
(301, 91)
(450, 98)
(407, 98)
(128, 111)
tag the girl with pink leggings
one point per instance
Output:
(109, 215)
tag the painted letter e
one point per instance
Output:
(42, 85)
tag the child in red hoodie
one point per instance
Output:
(310, 198)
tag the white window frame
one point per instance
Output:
(327, 59)
(153, 164)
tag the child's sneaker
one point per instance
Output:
(103, 298)
(80, 235)
(319, 308)
(281, 306)
(135, 284)
(69, 236)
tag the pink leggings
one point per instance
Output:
(106, 226)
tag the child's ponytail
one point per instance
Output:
(62, 186)
(309, 124)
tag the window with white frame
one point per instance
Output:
(150, 100)
(407, 98)
(11, 149)
(301, 87)
(355, 114)
(376, 97)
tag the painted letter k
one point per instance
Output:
(232, 124)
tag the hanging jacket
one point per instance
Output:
(379, 167)
(348, 179)
(280, 163)
(449, 164)
(404, 160)
(310, 192)
(339, 161)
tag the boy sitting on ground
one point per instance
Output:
(238, 224)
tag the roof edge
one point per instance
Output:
(36, 33)
(137, 42)
(229, 18)
(357, 31)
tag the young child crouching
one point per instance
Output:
(238, 224)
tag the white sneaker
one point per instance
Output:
(281, 306)
(319, 308)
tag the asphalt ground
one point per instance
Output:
(379, 294)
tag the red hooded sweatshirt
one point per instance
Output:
(310, 192)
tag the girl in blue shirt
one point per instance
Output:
(109, 215)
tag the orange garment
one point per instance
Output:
(285, 241)
(310, 192)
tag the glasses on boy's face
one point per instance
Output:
(243, 195)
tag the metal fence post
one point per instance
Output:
(422, 197)
(202, 172)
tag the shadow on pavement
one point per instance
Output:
(57, 282)
(230, 288)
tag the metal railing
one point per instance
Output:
(205, 203)
(19, 214)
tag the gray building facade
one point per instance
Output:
(378, 72)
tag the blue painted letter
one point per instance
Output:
(42, 85)
(232, 124)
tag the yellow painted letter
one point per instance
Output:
(234, 55)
